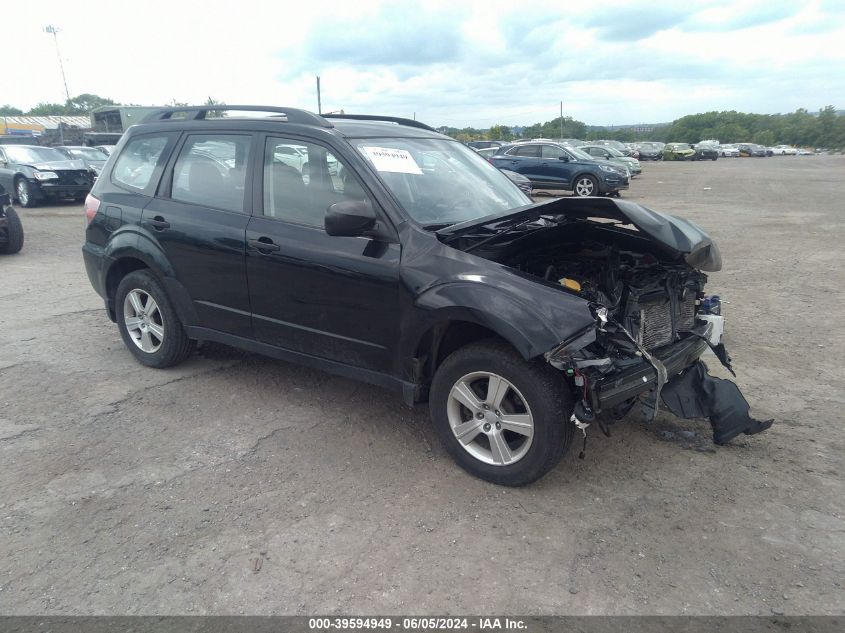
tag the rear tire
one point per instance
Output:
(497, 444)
(585, 186)
(14, 233)
(151, 331)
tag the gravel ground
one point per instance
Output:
(238, 484)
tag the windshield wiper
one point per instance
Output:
(501, 231)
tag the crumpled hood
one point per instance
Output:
(675, 233)
(53, 165)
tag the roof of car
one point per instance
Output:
(348, 125)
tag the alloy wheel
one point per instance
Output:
(584, 187)
(490, 418)
(143, 320)
(23, 193)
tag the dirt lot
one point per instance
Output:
(237, 484)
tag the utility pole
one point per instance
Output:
(561, 120)
(319, 104)
(54, 31)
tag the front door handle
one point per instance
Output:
(263, 244)
(159, 223)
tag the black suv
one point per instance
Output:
(376, 248)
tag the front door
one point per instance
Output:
(332, 297)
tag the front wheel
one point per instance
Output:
(14, 233)
(148, 323)
(24, 193)
(585, 186)
(501, 418)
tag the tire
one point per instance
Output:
(585, 186)
(24, 193)
(14, 233)
(159, 340)
(526, 387)
(714, 158)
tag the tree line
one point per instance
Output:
(800, 128)
(80, 105)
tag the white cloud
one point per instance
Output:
(473, 63)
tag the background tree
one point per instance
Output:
(7, 110)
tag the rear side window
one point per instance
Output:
(211, 171)
(137, 162)
(532, 151)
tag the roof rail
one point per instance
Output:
(375, 117)
(198, 113)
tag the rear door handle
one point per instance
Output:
(159, 223)
(263, 244)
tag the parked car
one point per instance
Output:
(11, 229)
(751, 149)
(705, 151)
(651, 150)
(426, 271)
(488, 152)
(602, 152)
(37, 173)
(484, 144)
(784, 150)
(728, 151)
(678, 151)
(554, 166)
(520, 181)
(93, 158)
(617, 145)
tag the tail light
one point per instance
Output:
(92, 205)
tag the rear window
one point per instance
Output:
(135, 166)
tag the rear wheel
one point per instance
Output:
(501, 418)
(148, 323)
(14, 233)
(24, 193)
(585, 186)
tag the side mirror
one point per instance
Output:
(353, 218)
(564, 158)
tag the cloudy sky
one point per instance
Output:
(450, 62)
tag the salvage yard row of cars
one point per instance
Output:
(600, 168)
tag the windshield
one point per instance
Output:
(581, 154)
(440, 182)
(21, 154)
(88, 153)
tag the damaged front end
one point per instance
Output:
(641, 272)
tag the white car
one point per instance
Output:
(784, 150)
(729, 151)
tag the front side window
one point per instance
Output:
(438, 181)
(211, 171)
(137, 162)
(302, 180)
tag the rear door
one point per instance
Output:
(199, 221)
(332, 297)
(523, 159)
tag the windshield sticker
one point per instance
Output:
(392, 160)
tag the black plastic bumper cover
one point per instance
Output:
(697, 394)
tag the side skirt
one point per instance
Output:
(408, 389)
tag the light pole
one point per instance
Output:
(54, 31)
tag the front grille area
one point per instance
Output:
(657, 325)
(686, 318)
(73, 177)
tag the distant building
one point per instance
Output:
(117, 119)
(37, 126)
